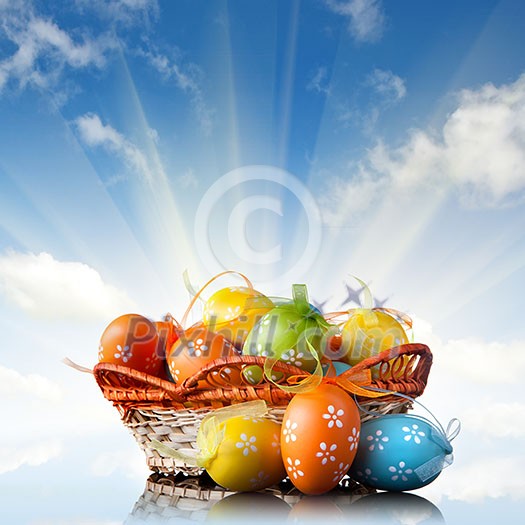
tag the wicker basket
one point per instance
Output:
(152, 408)
(172, 499)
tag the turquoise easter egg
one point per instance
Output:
(399, 452)
(337, 367)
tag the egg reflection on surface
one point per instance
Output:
(245, 508)
(385, 508)
(316, 510)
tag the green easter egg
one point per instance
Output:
(291, 332)
(253, 374)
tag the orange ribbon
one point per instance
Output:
(352, 381)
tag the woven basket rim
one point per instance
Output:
(132, 388)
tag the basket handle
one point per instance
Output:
(110, 377)
(420, 349)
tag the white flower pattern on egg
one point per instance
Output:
(326, 452)
(333, 417)
(293, 357)
(378, 440)
(353, 439)
(341, 471)
(413, 432)
(293, 468)
(288, 431)
(197, 347)
(260, 480)
(366, 475)
(123, 353)
(253, 419)
(232, 313)
(400, 471)
(276, 444)
(247, 444)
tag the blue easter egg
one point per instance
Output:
(339, 367)
(400, 452)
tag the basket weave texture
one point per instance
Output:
(174, 499)
(156, 409)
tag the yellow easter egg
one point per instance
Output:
(234, 311)
(249, 455)
(369, 332)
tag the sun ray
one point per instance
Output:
(158, 207)
(288, 84)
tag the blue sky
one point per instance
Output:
(393, 146)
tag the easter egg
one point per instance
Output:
(249, 456)
(319, 437)
(400, 452)
(234, 311)
(367, 333)
(132, 340)
(167, 334)
(334, 368)
(253, 374)
(286, 334)
(225, 376)
(196, 348)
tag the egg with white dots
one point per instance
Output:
(400, 452)
(319, 437)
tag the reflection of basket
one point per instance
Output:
(172, 499)
(153, 408)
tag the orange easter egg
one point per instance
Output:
(319, 436)
(195, 349)
(132, 340)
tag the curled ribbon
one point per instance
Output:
(211, 433)
(197, 295)
(352, 380)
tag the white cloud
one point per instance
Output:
(50, 289)
(319, 82)
(353, 198)
(188, 180)
(12, 458)
(479, 383)
(153, 134)
(96, 134)
(391, 87)
(497, 419)
(75, 521)
(127, 12)
(14, 385)
(479, 151)
(484, 478)
(365, 17)
(188, 78)
(476, 360)
(132, 464)
(472, 359)
(43, 49)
